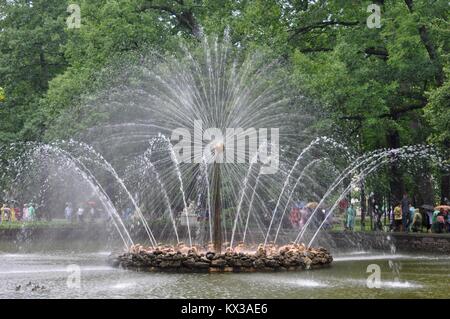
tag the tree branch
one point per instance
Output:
(429, 46)
(310, 50)
(320, 25)
(393, 114)
(185, 16)
(378, 52)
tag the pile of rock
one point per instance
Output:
(176, 259)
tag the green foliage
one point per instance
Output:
(370, 85)
(438, 113)
(30, 56)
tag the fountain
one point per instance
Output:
(235, 180)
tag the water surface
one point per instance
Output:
(402, 276)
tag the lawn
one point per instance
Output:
(55, 223)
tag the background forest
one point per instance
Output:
(379, 83)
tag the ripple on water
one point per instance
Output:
(288, 280)
(124, 285)
(361, 257)
(55, 270)
(307, 283)
(400, 284)
(396, 284)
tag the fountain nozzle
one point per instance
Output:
(219, 147)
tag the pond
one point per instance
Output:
(402, 276)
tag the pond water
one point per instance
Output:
(402, 276)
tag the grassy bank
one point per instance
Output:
(56, 223)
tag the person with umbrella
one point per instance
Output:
(428, 216)
(440, 216)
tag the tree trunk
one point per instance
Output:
(445, 188)
(44, 71)
(424, 193)
(363, 207)
(445, 180)
(396, 180)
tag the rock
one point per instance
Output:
(165, 258)
(258, 264)
(114, 262)
(189, 263)
(230, 261)
(205, 260)
(175, 263)
(218, 263)
(201, 265)
(272, 263)
(307, 262)
(164, 264)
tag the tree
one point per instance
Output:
(374, 82)
(110, 30)
(376, 87)
(31, 39)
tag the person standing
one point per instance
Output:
(80, 214)
(25, 215)
(440, 221)
(68, 211)
(31, 212)
(398, 218)
(412, 210)
(351, 214)
(294, 217)
(92, 213)
(405, 212)
(12, 213)
(4, 213)
(416, 224)
(429, 220)
(378, 213)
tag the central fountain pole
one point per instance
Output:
(217, 231)
(217, 204)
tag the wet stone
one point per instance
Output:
(168, 260)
